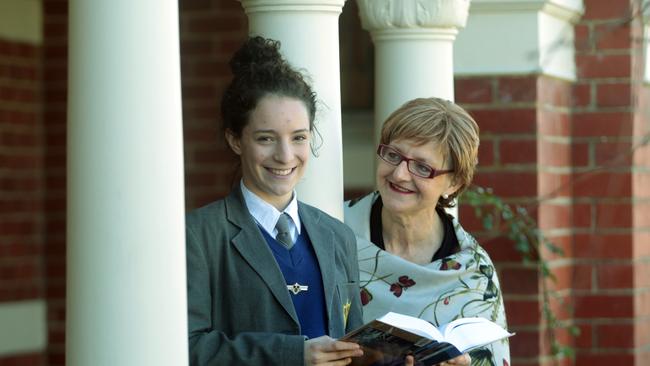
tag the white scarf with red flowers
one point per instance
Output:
(462, 285)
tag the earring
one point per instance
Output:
(445, 196)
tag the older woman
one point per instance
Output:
(415, 258)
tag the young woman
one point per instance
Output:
(271, 280)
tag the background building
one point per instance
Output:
(560, 89)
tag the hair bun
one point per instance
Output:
(259, 70)
(255, 52)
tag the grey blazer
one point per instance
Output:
(240, 311)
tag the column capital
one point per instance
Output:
(408, 14)
(255, 6)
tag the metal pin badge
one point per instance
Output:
(296, 288)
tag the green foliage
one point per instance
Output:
(517, 225)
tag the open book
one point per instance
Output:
(387, 340)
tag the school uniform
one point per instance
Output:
(246, 304)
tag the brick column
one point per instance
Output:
(610, 131)
(308, 30)
(126, 286)
(514, 73)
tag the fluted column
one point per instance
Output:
(308, 31)
(126, 288)
(413, 49)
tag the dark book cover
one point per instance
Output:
(386, 345)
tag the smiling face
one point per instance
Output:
(404, 193)
(274, 148)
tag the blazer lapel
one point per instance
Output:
(322, 241)
(253, 247)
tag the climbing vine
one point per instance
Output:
(515, 223)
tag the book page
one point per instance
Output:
(468, 333)
(414, 325)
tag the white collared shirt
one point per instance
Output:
(266, 215)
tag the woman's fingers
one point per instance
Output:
(410, 361)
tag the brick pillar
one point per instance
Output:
(514, 74)
(610, 131)
(524, 155)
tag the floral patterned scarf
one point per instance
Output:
(464, 284)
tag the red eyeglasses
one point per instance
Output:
(415, 167)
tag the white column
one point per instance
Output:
(308, 31)
(126, 288)
(413, 49)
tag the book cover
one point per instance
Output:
(389, 339)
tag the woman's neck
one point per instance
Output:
(413, 237)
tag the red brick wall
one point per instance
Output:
(604, 135)
(211, 30)
(575, 148)
(21, 180)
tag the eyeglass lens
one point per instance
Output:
(394, 157)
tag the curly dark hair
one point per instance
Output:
(259, 70)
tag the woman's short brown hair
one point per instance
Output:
(449, 126)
